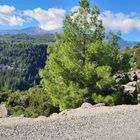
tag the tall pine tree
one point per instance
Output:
(80, 61)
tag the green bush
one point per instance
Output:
(4, 95)
(31, 103)
(116, 98)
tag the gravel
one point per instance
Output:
(94, 123)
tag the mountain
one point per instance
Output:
(124, 43)
(38, 31)
(30, 30)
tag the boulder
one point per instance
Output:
(41, 118)
(54, 114)
(133, 84)
(3, 112)
(132, 76)
(86, 105)
(129, 89)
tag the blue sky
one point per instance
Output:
(117, 15)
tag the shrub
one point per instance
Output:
(114, 99)
(31, 103)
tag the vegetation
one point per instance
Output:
(80, 64)
(38, 39)
(21, 56)
(31, 103)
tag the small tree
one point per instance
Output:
(80, 61)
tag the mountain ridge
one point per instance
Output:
(38, 31)
(28, 30)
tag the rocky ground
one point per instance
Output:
(85, 123)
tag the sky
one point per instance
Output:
(117, 15)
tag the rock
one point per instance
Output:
(65, 112)
(132, 76)
(129, 89)
(117, 87)
(3, 112)
(22, 116)
(99, 105)
(138, 74)
(128, 82)
(138, 98)
(119, 77)
(131, 93)
(133, 84)
(54, 114)
(86, 105)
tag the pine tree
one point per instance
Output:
(80, 61)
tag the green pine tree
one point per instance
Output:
(80, 61)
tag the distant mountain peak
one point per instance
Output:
(28, 30)
(39, 31)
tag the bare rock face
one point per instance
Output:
(3, 112)
(130, 89)
(128, 82)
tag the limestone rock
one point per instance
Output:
(119, 77)
(86, 105)
(138, 74)
(3, 112)
(133, 84)
(132, 76)
(129, 89)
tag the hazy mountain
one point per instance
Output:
(124, 43)
(30, 30)
(36, 31)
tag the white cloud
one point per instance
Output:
(74, 8)
(49, 20)
(9, 17)
(120, 21)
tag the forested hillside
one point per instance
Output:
(39, 39)
(21, 56)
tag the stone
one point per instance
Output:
(119, 77)
(138, 74)
(129, 89)
(133, 84)
(54, 114)
(99, 105)
(86, 105)
(132, 76)
(3, 112)
(65, 112)
(22, 116)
